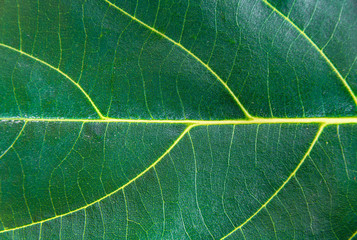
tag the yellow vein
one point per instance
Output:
(189, 52)
(195, 183)
(283, 185)
(318, 120)
(59, 71)
(343, 80)
(23, 183)
(353, 235)
(19, 24)
(342, 151)
(13, 143)
(115, 191)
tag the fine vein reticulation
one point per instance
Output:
(247, 114)
(189, 52)
(59, 71)
(322, 122)
(321, 52)
(192, 124)
(122, 187)
(335, 70)
(285, 182)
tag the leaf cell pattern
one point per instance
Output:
(178, 119)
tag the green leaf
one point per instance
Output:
(178, 119)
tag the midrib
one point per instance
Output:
(317, 120)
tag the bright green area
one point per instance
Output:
(164, 60)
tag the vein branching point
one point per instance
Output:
(247, 114)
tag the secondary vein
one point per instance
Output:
(247, 114)
(115, 191)
(335, 70)
(283, 185)
(59, 71)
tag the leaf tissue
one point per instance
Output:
(166, 119)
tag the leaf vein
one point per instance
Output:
(59, 71)
(314, 141)
(113, 192)
(186, 50)
(13, 143)
(332, 66)
(318, 120)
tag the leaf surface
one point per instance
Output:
(178, 119)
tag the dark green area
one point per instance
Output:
(63, 60)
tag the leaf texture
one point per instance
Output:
(178, 119)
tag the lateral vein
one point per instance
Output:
(316, 138)
(332, 66)
(115, 191)
(13, 143)
(189, 52)
(59, 71)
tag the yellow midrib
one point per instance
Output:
(316, 120)
(247, 114)
(191, 124)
